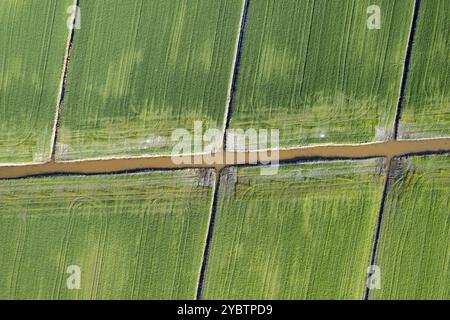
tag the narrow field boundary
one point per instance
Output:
(63, 83)
(235, 71)
(388, 149)
(376, 240)
(389, 167)
(406, 66)
(226, 124)
(212, 219)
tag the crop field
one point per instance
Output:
(414, 254)
(134, 236)
(305, 233)
(33, 37)
(314, 71)
(426, 113)
(141, 69)
(93, 105)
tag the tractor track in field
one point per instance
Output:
(388, 149)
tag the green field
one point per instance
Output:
(314, 71)
(426, 113)
(305, 233)
(33, 38)
(414, 254)
(141, 69)
(137, 236)
(133, 72)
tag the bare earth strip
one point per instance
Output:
(383, 149)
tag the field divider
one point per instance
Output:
(388, 149)
(377, 233)
(406, 66)
(235, 71)
(390, 158)
(209, 236)
(63, 83)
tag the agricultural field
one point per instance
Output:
(33, 38)
(141, 69)
(426, 113)
(414, 254)
(306, 233)
(137, 236)
(313, 70)
(92, 106)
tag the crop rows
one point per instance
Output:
(426, 111)
(314, 71)
(133, 236)
(33, 37)
(139, 70)
(414, 252)
(306, 233)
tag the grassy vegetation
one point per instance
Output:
(426, 113)
(305, 233)
(137, 236)
(414, 254)
(313, 70)
(141, 69)
(33, 38)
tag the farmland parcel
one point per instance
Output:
(305, 233)
(426, 113)
(414, 254)
(315, 71)
(33, 38)
(137, 236)
(141, 69)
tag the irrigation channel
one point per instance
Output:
(388, 149)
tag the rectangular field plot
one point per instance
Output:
(141, 69)
(137, 236)
(313, 70)
(426, 113)
(414, 250)
(305, 233)
(33, 38)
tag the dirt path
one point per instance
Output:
(383, 149)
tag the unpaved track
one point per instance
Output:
(387, 149)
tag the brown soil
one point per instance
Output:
(387, 149)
